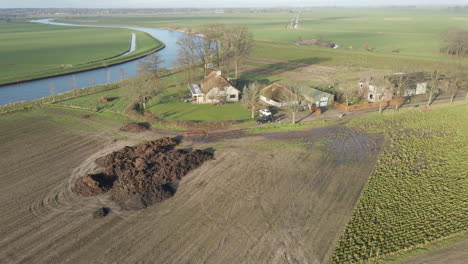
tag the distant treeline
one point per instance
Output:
(106, 11)
(455, 42)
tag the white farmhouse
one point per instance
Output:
(214, 89)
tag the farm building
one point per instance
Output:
(276, 95)
(317, 97)
(416, 83)
(371, 93)
(214, 88)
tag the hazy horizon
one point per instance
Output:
(219, 3)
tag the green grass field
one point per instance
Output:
(417, 193)
(31, 50)
(415, 32)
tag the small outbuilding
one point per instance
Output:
(317, 97)
(276, 95)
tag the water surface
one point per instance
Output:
(36, 89)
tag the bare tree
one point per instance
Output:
(152, 64)
(434, 85)
(251, 96)
(139, 90)
(381, 89)
(458, 79)
(349, 90)
(400, 83)
(205, 47)
(187, 56)
(455, 41)
(238, 44)
(215, 33)
(293, 100)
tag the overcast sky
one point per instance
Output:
(214, 3)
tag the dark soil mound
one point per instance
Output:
(104, 99)
(85, 116)
(94, 184)
(143, 175)
(134, 127)
(101, 212)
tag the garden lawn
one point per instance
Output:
(200, 112)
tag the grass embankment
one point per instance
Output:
(417, 193)
(31, 50)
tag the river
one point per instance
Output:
(36, 89)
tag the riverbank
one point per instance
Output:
(54, 81)
(146, 44)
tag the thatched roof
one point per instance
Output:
(276, 92)
(213, 80)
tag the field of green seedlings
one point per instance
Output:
(413, 32)
(417, 193)
(31, 50)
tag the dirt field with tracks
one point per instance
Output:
(272, 198)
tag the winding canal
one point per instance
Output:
(36, 89)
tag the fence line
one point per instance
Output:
(351, 108)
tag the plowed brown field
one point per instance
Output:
(275, 198)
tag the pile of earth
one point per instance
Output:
(140, 176)
(134, 127)
(317, 42)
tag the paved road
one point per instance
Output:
(334, 113)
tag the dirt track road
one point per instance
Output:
(454, 253)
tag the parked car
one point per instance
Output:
(265, 119)
(265, 112)
(303, 107)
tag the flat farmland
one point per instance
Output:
(413, 32)
(271, 198)
(32, 50)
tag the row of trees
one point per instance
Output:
(216, 44)
(455, 42)
(395, 86)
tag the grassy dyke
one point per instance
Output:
(417, 193)
(30, 50)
